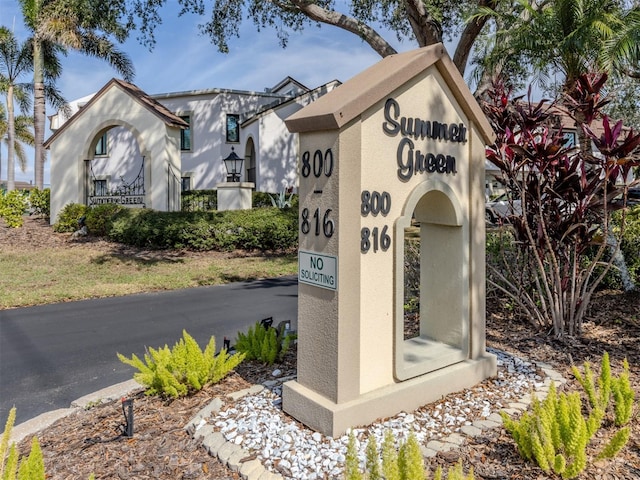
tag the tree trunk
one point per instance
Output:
(11, 133)
(468, 37)
(39, 112)
(426, 29)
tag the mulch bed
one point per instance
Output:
(82, 443)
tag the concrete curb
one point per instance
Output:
(108, 394)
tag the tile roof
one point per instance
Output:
(135, 93)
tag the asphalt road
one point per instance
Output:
(53, 354)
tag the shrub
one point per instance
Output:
(199, 200)
(184, 368)
(405, 464)
(260, 199)
(11, 466)
(40, 201)
(351, 464)
(264, 343)
(628, 256)
(12, 207)
(257, 229)
(556, 433)
(631, 243)
(265, 228)
(411, 276)
(100, 218)
(68, 217)
(564, 191)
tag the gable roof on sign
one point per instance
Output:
(136, 94)
(346, 102)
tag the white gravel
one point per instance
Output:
(258, 425)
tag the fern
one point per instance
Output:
(32, 467)
(13, 467)
(406, 463)
(373, 460)
(351, 464)
(587, 382)
(410, 460)
(185, 368)
(617, 443)
(6, 435)
(389, 458)
(10, 468)
(457, 473)
(264, 344)
(604, 382)
(556, 433)
(438, 474)
(623, 396)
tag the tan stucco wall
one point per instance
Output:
(159, 143)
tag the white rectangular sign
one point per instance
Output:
(318, 270)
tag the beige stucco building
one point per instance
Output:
(122, 145)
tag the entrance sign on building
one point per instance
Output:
(397, 152)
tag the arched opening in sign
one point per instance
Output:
(432, 282)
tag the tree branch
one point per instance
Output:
(337, 19)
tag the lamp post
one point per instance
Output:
(233, 164)
(234, 194)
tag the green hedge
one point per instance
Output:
(257, 229)
(269, 229)
(199, 200)
(99, 219)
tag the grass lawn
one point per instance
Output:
(52, 269)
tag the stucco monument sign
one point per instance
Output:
(399, 145)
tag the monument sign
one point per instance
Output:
(398, 150)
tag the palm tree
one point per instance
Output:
(567, 37)
(23, 136)
(81, 25)
(622, 50)
(15, 61)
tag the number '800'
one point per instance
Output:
(320, 163)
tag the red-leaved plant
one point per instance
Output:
(558, 246)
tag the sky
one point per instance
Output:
(184, 60)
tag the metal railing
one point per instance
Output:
(128, 194)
